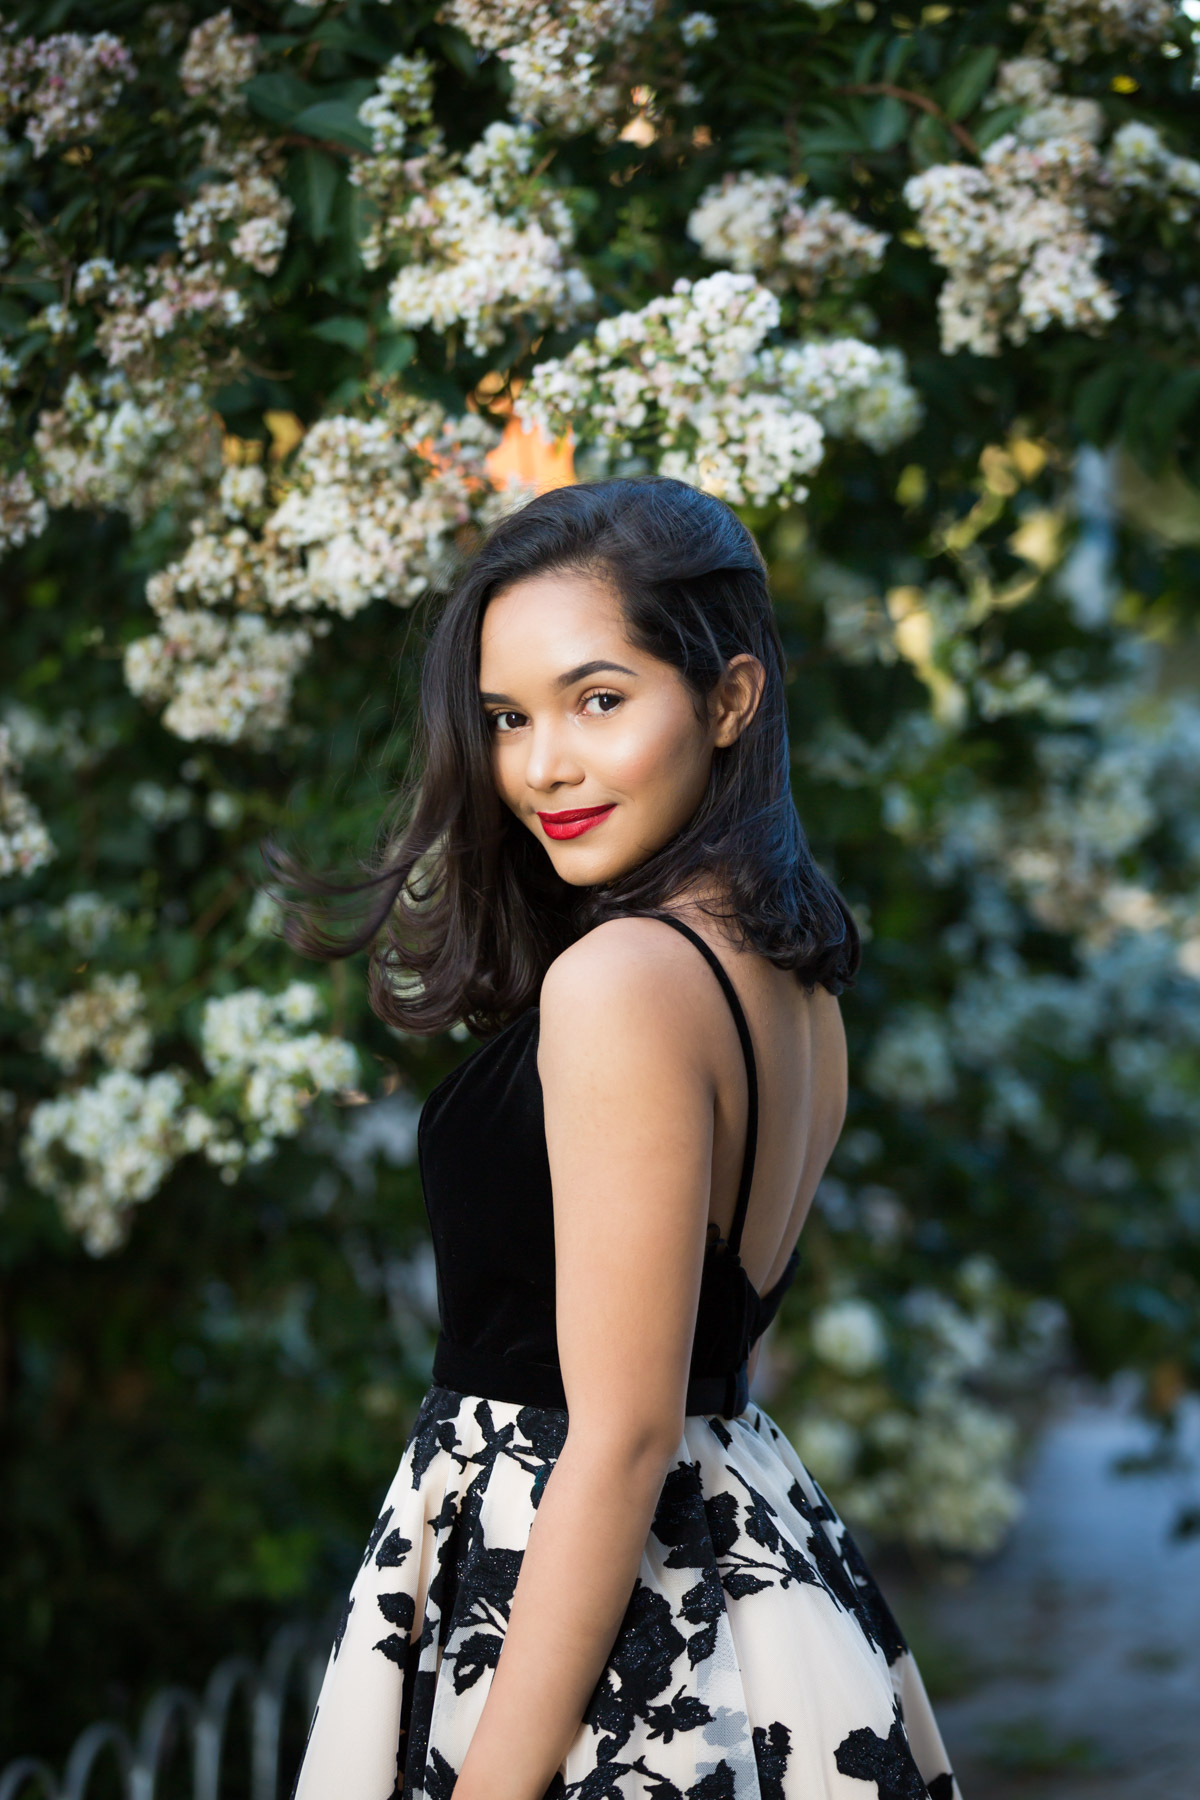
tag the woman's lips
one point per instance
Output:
(571, 824)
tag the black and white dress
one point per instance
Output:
(757, 1659)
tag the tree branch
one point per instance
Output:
(922, 101)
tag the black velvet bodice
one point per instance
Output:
(481, 1146)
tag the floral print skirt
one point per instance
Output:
(757, 1659)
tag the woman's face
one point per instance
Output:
(596, 745)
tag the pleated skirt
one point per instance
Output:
(757, 1659)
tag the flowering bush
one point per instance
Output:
(921, 300)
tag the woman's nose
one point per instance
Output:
(552, 761)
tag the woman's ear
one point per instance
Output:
(735, 699)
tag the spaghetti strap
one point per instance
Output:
(743, 1030)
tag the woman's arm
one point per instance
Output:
(629, 1098)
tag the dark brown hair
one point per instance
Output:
(463, 908)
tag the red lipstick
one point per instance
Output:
(573, 822)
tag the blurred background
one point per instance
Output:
(294, 298)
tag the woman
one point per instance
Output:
(601, 1569)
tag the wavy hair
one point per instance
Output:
(462, 907)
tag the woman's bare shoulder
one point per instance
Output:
(632, 974)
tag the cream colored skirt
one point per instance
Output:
(757, 1659)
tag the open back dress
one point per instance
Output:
(757, 1659)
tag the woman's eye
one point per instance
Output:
(499, 721)
(606, 702)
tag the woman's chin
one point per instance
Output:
(592, 867)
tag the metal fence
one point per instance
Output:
(182, 1728)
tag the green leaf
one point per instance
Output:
(995, 124)
(887, 122)
(336, 119)
(345, 329)
(279, 97)
(395, 353)
(965, 85)
(929, 142)
(864, 62)
(339, 34)
(459, 51)
(313, 182)
(898, 53)
(1095, 399)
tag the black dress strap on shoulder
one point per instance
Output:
(743, 1030)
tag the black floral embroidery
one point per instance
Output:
(340, 1633)
(392, 1551)
(888, 1762)
(660, 1725)
(772, 1752)
(377, 1531)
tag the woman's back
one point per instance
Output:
(800, 1055)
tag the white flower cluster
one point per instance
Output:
(403, 98)
(936, 1472)
(127, 1131)
(25, 844)
(687, 382)
(159, 805)
(106, 1019)
(1032, 83)
(557, 55)
(225, 680)
(253, 212)
(61, 85)
(86, 920)
(853, 389)
(1138, 162)
(1014, 236)
(101, 1149)
(681, 375)
(479, 249)
(759, 224)
(23, 512)
(911, 1062)
(217, 62)
(130, 444)
(368, 509)
(697, 28)
(849, 1336)
(249, 1042)
(372, 508)
(140, 308)
(1075, 26)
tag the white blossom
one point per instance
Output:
(23, 512)
(133, 445)
(697, 28)
(1015, 238)
(225, 680)
(249, 1039)
(107, 1018)
(103, 1149)
(218, 62)
(910, 1061)
(25, 844)
(759, 224)
(554, 53)
(1076, 26)
(849, 1335)
(480, 241)
(62, 85)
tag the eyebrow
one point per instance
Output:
(572, 676)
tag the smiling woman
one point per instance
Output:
(601, 1569)
(570, 755)
(686, 741)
